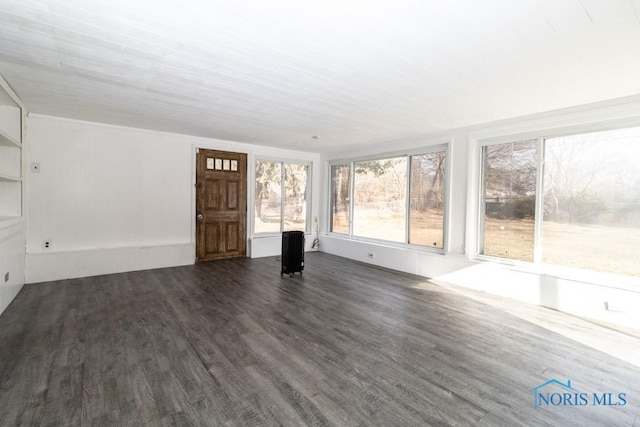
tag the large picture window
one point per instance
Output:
(592, 201)
(380, 203)
(589, 213)
(280, 197)
(395, 199)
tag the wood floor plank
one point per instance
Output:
(232, 342)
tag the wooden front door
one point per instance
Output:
(221, 205)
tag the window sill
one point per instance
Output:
(590, 277)
(8, 221)
(272, 235)
(385, 243)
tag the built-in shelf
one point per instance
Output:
(10, 178)
(11, 158)
(8, 221)
(7, 140)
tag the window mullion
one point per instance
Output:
(309, 224)
(539, 206)
(352, 180)
(407, 202)
(481, 202)
(282, 196)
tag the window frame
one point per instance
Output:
(308, 195)
(330, 196)
(480, 199)
(537, 265)
(352, 197)
(439, 147)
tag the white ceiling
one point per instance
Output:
(348, 71)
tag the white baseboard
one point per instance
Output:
(48, 266)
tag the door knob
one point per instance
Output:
(200, 216)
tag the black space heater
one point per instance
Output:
(292, 252)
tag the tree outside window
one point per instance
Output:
(590, 207)
(396, 199)
(280, 197)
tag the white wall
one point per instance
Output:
(583, 293)
(112, 199)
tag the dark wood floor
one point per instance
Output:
(234, 343)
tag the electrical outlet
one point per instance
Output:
(371, 255)
(46, 244)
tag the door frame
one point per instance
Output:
(250, 190)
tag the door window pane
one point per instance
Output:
(295, 200)
(268, 197)
(592, 201)
(379, 209)
(509, 182)
(340, 188)
(427, 200)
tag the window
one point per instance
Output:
(280, 197)
(589, 213)
(340, 188)
(426, 216)
(592, 201)
(295, 199)
(395, 199)
(509, 177)
(379, 206)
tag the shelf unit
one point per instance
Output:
(11, 157)
(7, 141)
(10, 178)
